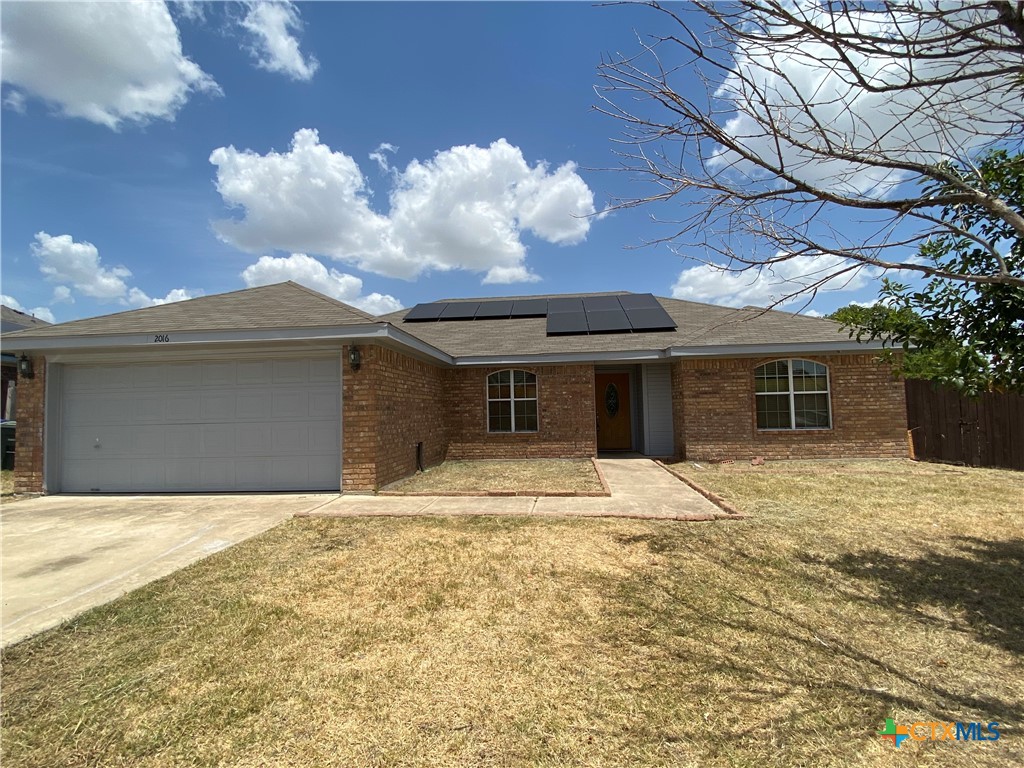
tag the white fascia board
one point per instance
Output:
(172, 340)
(557, 357)
(762, 350)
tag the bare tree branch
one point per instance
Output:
(806, 112)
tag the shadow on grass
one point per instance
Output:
(780, 637)
(984, 580)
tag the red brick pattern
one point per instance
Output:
(718, 419)
(565, 404)
(389, 405)
(29, 410)
(396, 401)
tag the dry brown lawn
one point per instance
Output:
(853, 593)
(545, 475)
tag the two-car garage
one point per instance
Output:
(258, 424)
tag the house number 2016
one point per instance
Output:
(161, 337)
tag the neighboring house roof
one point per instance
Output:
(283, 305)
(697, 326)
(13, 320)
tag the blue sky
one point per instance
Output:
(237, 151)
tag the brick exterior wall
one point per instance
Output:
(566, 416)
(29, 412)
(716, 417)
(389, 405)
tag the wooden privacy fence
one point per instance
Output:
(983, 432)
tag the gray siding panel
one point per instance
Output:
(658, 437)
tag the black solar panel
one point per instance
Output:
(460, 310)
(565, 305)
(638, 301)
(650, 320)
(608, 321)
(494, 310)
(530, 308)
(565, 323)
(422, 312)
(601, 303)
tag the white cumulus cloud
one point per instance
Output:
(42, 313)
(465, 208)
(64, 261)
(924, 125)
(380, 158)
(716, 285)
(77, 265)
(272, 27)
(108, 63)
(137, 298)
(309, 272)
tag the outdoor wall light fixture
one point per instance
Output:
(25, 367)
(355, 358)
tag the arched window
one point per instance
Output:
(792, 394)
(512, 401)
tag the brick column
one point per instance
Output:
(29, 412)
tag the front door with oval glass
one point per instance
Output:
(612, 400)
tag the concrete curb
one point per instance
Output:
(504, 494)
(711, 496)
(686, 517)
(600, 476)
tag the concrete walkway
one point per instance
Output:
(639, 487)
(65, 554)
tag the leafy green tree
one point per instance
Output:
(970, 336)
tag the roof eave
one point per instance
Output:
(357, 332)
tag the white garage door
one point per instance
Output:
(240, 425)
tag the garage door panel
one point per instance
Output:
(270, 424)
(181, 440)
(183, 474)
(147, 408)
(255, 372)
(253, 474)
(181, 407)
(179, 375)
(148, 377)
(148, 441)
(148, 473)
(327, 371)
(216, 441)
(253, 405)
(97, 408)
(217, 406)
(218, 374)
(324, 404)
(217, 474)
(290, 405)
(324, 437)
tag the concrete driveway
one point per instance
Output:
(65, 554)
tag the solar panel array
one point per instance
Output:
(567, 316)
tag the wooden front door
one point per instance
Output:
(614, 426)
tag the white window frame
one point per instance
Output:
(512, 400)
(792, 393)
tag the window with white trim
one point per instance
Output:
(792, 394)
(512, 401)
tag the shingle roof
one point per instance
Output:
(14, 320)
(697, 325)
(283, 305)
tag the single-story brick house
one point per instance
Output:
(282, 388)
